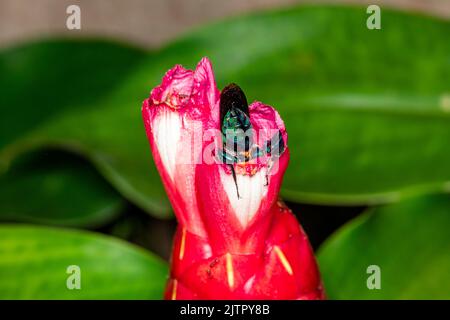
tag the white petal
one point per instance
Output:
(167, 131)
(252, 190)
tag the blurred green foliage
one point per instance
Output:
(409, 242)
(59, 189)
(368, 123)
(34, 264)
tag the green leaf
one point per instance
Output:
(68, 84)
(42, 79)
(366, 110)
(34, 262)
(410, 243)
(56, 188)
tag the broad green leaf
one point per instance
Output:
(34, 262)
(56, 188)
(43, 79)
(39, 81)
(366, 110)
(409, 242)
(55, 96)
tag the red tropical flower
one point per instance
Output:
(222, 163)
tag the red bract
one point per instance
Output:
(235, 239)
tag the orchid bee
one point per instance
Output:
(238, 146)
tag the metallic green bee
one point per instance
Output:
(238, 144)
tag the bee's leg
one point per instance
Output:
(235, 181)
(269, 166)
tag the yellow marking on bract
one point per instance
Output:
(174, 290)
(230, 271)
(182, 244)
(284, 261)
